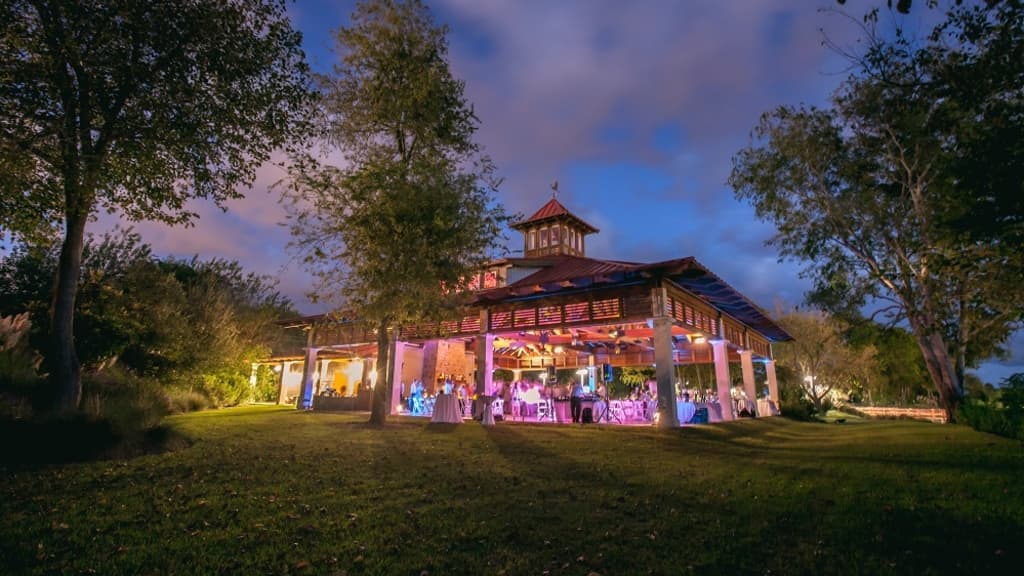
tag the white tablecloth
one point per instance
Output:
(685, 410)
(562, 411)
(632, 410)
(714, 411)
(744, 404)
(446, 409)
(766, 407)
(488, 404)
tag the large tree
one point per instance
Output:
(394, 233)
(138, 107)
(880, 193)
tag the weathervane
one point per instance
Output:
(554, 189)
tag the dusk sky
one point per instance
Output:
(636, 109)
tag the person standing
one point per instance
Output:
(576, 402)
(461, 393)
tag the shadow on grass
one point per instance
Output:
(36, 443)
(442, 427)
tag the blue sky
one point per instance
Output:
(635, 108)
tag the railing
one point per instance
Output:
(930, 414)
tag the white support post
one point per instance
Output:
(395, 375)
(747, 368)
(773, 384)
(724, 385)
(280, 383)
(664, 367)
(484, 364)
(305, 401)
(252, 381)
(484, 356)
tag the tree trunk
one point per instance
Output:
(940, 368)
(65, 372)
(379, 408)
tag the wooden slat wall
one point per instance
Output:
(696, 314)
(631, 303)
(603, 306)
(692, 312)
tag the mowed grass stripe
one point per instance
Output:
(267, 490)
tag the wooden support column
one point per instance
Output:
(747, 368)
(484, 356)
(305, 401)
(724, 385)
(665, 370)
(773, 384)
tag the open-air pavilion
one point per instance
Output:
(555, 310)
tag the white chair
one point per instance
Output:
(627, 409)
(616, 410)
(543, 411)
(651, 408)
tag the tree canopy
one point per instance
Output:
(392, 235)
(823, 362)
(135, 107)
(883, 194)
(188, 324)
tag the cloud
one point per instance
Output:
(585, 92)
(558, 74)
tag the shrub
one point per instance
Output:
(130, 403)
(226, 388)
(986, 417)
(20, 385)
(799, 408)
(267, 383)
(1005, 417)
(1012, 398)
(182, 400)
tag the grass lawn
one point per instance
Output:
(267, 490)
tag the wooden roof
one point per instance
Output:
(571, 273)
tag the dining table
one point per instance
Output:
(745, 404)
(714, 411)
(489, 405)
(766, 407)
(446, 409)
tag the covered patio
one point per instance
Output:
(553, 316)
